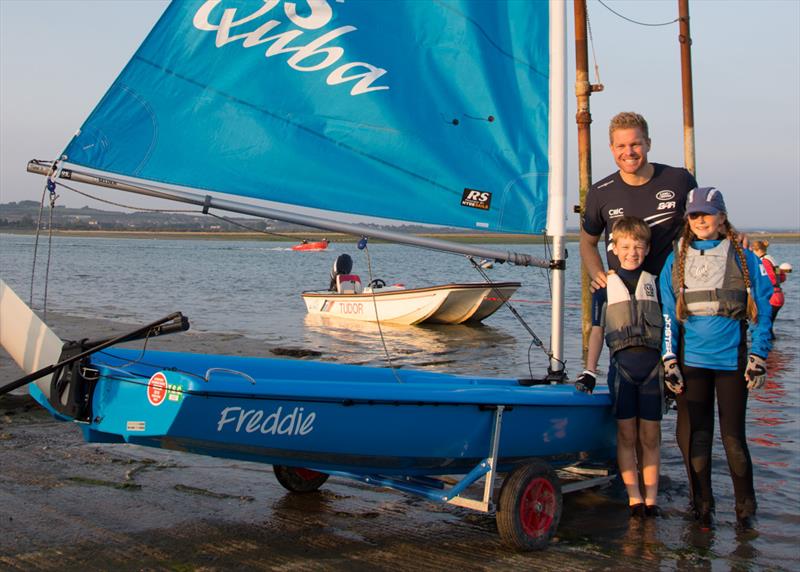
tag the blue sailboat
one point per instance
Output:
(448, 113)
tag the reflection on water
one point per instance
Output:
(428, 346)
(253, 288)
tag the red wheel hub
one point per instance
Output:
(537, 507)
(307, 474)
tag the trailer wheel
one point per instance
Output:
(299, 480)
(530, 506)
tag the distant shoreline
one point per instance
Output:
(294, 236)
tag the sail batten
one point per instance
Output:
(425, 112)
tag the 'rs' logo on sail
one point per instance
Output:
(476, 199)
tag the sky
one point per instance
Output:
(57, 58)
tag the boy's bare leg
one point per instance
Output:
(626, 458)
(650, 437)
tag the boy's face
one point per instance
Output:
(630, 251)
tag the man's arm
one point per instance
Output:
(590, 257)
(595, 348)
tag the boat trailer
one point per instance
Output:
(528, 507)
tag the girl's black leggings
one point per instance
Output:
(695, 434)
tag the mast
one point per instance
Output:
(685, 40)
(556, 210)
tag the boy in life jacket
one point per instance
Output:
(628, 312)
(712, 292)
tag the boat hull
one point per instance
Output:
(334, 417)
(445, 304)
(311, 246)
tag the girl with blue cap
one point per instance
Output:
(711, 290)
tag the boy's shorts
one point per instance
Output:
(643, 400)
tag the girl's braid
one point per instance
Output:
(752, 309)
(687, 236)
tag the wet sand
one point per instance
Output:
(68, 505)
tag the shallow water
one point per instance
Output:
(252, 288)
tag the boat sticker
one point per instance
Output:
(296, 421)
(174, 392)
(135, 426)
(476, 199)
(157, 389)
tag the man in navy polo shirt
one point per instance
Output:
(652, 192)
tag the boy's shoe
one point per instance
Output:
(637, 510)
(653, 511)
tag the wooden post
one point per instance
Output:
(583, 117)
(685, 40)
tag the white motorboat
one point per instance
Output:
(396, 304)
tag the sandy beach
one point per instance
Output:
(67, 505)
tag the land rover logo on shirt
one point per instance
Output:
(476, 199)
(665, 195)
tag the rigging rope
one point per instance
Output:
(636, 21)
(36, 244)
(535, 340)
(594, 56)
(50, 186)
(53, 196)
(365, 248)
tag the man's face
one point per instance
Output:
(630, 251)
(629, 147)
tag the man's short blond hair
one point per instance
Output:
(628, 120)
(630, 226)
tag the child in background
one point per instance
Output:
(710, 287)
(775, 275)
(627, 311)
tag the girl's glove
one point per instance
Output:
(673, 377)
(756, 372)
(586, 382)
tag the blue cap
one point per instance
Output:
(706, 200)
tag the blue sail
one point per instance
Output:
(421, 111)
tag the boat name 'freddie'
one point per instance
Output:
(238, 419)
(320, 15)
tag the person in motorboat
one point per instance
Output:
(711, 288)
(627, 311)
(342, 266)
(775, 275)
(653, 192)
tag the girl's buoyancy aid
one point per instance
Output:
(713, 282)
(633, 320)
